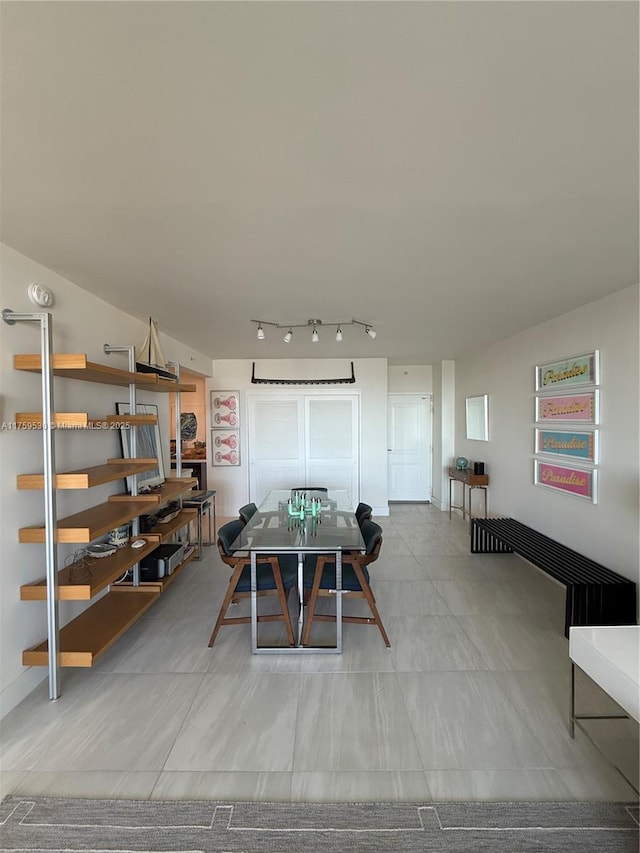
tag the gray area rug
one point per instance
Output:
(38, 823)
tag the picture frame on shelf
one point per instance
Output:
(225, 409)
(148, 446)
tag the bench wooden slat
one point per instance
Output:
(595, 595)
(554, 557)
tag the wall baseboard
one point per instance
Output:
(20, 688)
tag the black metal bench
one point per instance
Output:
(595, 595)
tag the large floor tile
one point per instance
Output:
(464, 597)
(466, 706)
(598, 784)
(364, 786)
(268, 786)
(239, 721)
(130, 724)
(353, 722)
(496, 785)
(515, 642)
(542, 701)
(463, 720)
(101, 784)
(394, 546)
(431, 643)
(409, 598)
(395, 567)
(439, 567)
(174, 645)
(10, 780)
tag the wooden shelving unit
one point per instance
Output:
(162, 583)
(85, 638)
(171, 527)
(85, 526)
(98, 475)
(77, 366)
(82, 581)
(81, 420)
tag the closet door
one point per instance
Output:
(332, 448)
(276, 444)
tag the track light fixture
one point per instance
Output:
(313, 324)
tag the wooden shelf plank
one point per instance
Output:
(84, 639)
(173, 487)
(81, 420)
(77, 366)
(97, 475)
(164, 582)
(85, 526)
(80, 582)
(167, 580)
(181, 520)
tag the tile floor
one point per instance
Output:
(470, 702)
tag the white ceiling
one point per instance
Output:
(451, 172)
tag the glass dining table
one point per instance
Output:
(300, 523)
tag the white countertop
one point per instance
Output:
(610, 655)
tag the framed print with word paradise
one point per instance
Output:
(576, 408)
(579, 482)
(569, 372)
(579, 446)
(567, 410)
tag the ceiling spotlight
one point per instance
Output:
(314, 323)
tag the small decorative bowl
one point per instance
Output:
(462, 463)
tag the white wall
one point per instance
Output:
(81, 323)
(410, 379)
(443, 430)
(232, 484)
(607, 531)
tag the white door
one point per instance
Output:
(303, 440)
(276, 444)
(332, 443)
(409, 447)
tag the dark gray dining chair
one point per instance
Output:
(274, 576)
(247, 512)
(363, 513)
(320, 579)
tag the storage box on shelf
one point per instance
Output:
(89, 635)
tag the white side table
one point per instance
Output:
(610, 656)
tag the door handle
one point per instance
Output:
(389, 450)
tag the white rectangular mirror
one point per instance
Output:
(478, 418)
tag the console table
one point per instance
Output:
(610, 656)
(469, 482)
